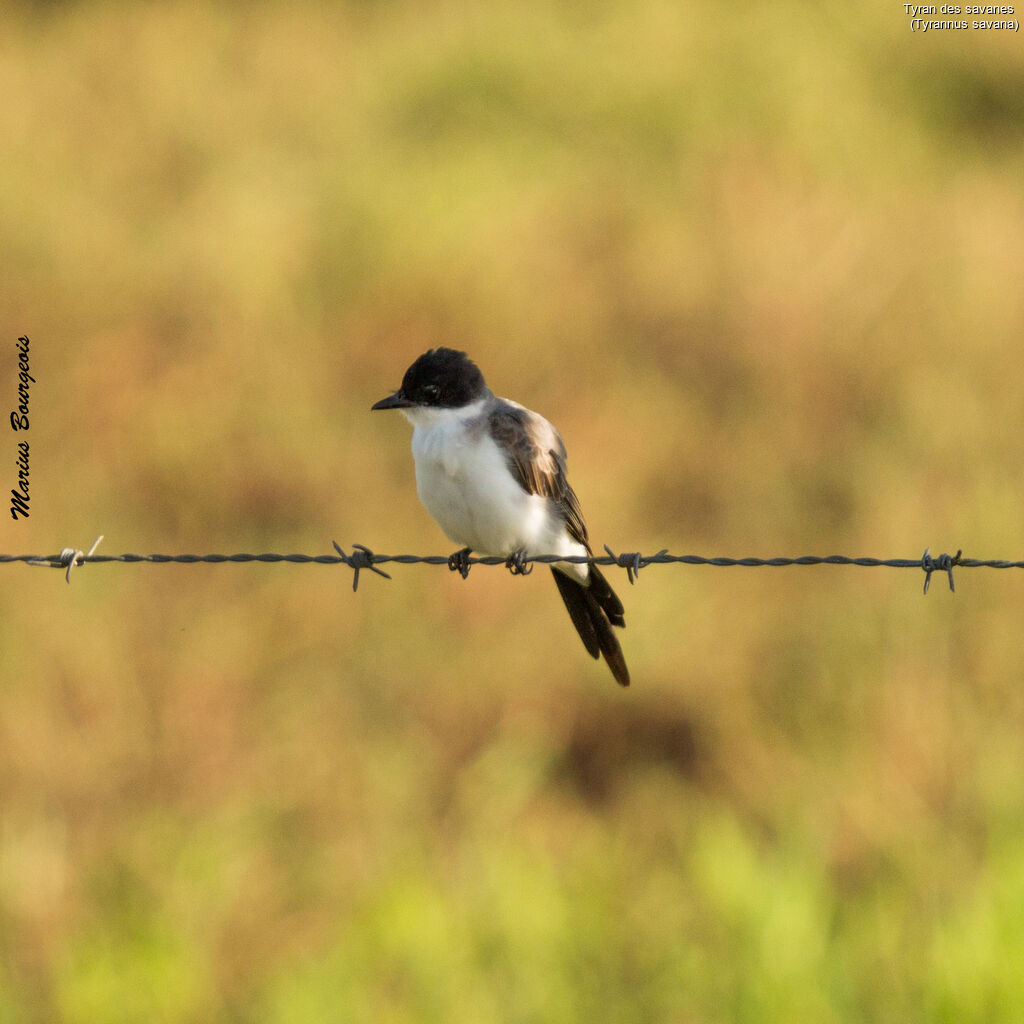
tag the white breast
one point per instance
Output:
(463, 480)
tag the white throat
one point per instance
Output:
(427, 417)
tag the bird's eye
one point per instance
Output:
(431, 392)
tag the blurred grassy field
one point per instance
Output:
(763, 264)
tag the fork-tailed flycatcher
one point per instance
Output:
(492, 474)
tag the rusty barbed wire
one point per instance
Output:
(363, 557)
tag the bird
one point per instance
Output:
(492, 474)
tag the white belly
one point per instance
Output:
(473, 497)
(477, 505)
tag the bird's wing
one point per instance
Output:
(536, 458)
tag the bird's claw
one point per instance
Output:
(459, 562)
(516, 563)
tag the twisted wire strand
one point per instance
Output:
(362, 557)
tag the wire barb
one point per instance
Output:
(68, 558)
(361, 558)
(944, 563)
(632, 561)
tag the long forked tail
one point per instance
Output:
(594, 609)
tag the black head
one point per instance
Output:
(441, 378)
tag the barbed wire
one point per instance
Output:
(363, 558)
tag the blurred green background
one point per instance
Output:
(762, 264)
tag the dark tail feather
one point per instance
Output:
(606, 597)
(594, 610)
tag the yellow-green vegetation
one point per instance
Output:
(762, 263)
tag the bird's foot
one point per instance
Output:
(459, 561)
(516, 563)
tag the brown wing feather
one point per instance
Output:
(536, 457)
